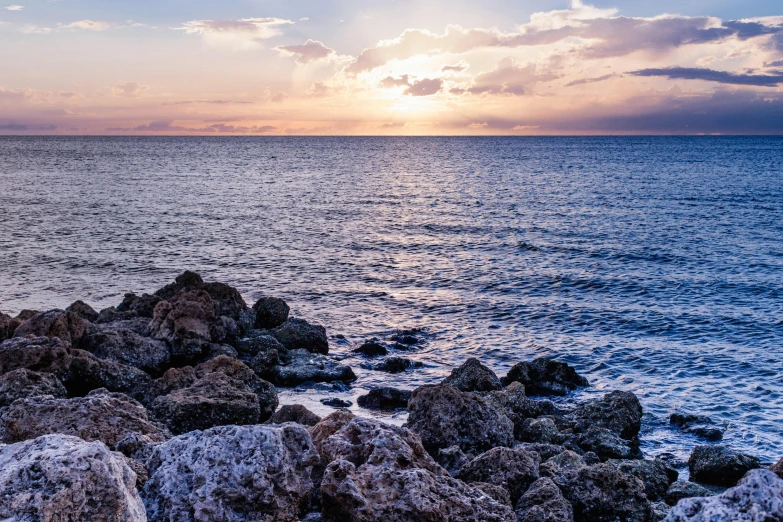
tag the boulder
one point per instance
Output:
(304, 366)
(719, 465)
(656, 475)
(544, 502)
(295, 413)
(443, 416)
(513, 402)
(104, 416)
(685, 489)
(396, 365)
(140, 306)
(699, 425)
(87, 373)
(385, 398)
(381, 472)
(39, 354)
(231, 474)
(544, 376)
(83, 310)
(607, 444)
(297, 334)
(514, 470)
(23, 383)
(371, 348)
(55, 323)
(541, 430)
(184, 282)
(227, 300)
(777, 468)
(545, 451)
(188, 316)
(127, 347)
(58, 477)
(473, 376)
(619, 412)
(496, 493)
(271, 312)
(8, 325)
(757, 498)
(260, 343)
(335, 402)
(453, 459)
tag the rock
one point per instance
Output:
(271, 312)
(757, 498)
(719, 465)
(39, 354)
(546, 451)
(544, 376)
(473, 376)
(184, 282)
(23, 383)
(297, 334)
(698, 425)
(260, 343)
(231, 474)
(305, 366)
(8, 325)
(496, 493)
(655, 474)
(513, 402)
(371, 348)
(684, 489)
(452, 459)
(227, 300)
(407, 337)
(57, 477)
(108, 417)
(396, 365)
(188, 316)
(336, 403)
(619, 412)
(55, 323)
(87, 373)
(544, 502)
(660, 510)
(330, 425)
(127, 347)
(83, 310)
(385, 398)
(140, 306)
(295, 413)
(443, 416)
(777, 468)
(607, 444)
(540, 430)
(709, 433)
(514, 470)
(381, 472)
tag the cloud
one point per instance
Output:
(584, 81)
(279, 97)
(318, 90)
(14, 8)
(308, 52)
(34, 29)
(231, 129)
(129, 90)
(393, 125)
(425, 87)
(454, 68)
(15, 95)
(25, 127)
(211, 102)
(478, 125)
(153, 126)
(710, 75)
(390, 82)
(508, 78)
(88, 25)
(240, 35)
(776, 63)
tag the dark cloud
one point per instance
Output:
(425, 87)
(454, 68)
(26, 127)
(710, 75)
(776, 63)
(584, 81)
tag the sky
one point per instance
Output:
(391, 67)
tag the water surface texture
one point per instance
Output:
(653, 265)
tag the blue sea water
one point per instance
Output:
(653, 265)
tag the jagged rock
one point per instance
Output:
(55, 323)
(444, 416)
(618, 411)
(370, 461)
(83, 310)
(777, 468)
(140, 306)
(757, 498)
(545, 451)
(336, 403)
(407, 337)
(660, 510)
(87, 373)
(127, 347)
(24, 315)
(699, 425)
(396, 365)
(137, 446)
(514, 470)
(607, 444)
(685, 489)
(473, 376)
(227, 300)
(541, 430)
(719, 465)
(544, 376)
(297, 334)
(295, 413)
(656, 475)
(231, 474)
(305, 366)
(452, 459)
(330, 425)
(271, 312)
(59, 478)
(23, 383)
(371, 348)
(261, 344)
(8, 325)
(513, 402)
(39, 354)
(497, 493)
(101, 415)
(184, 282)
(544, 502)
(385, 398)
(187, 316)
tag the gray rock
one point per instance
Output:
(545, 451)
(473, 376)
(127, 347)
(83, 310)
(453, 459)
(371, 348)
(225, 299)
(757, 498)
(546, 377)
(396, 365)
(39, 354)
(513, 402)
(719, 465)
(607, 444)
(23, 383)
(335, 402)
(698, 425)
(295, 413)
(514, 470)
(541, 430)
(58, 477)
(497, 493)
(544, 502)
(186, 322)
(385, 398)
(140, 306)
(271, 312)
(297, 334)
(55, 323)
(259, 342)
(87, 373)
(618, 411)
(8, 325)
(231, 474)
(685, 489)
(443, 416)
(660, 510)
(305, 366)
(777, 468)
(656, 475)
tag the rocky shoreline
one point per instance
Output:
(165, 408)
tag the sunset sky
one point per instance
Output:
(391, 67)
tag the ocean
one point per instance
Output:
(651, 264)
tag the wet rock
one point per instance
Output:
(140, 306)
(87, 373)
(473, 376)
(8, 325)
(544, 502)
(297, 334)
(127, 347)
(607, 444)
(371, 348)
(58, 477)
(385, 398)
(443, 416)
(108, 417)
(514, 470)
(618, 411)
(227, 300)
(719, 465)
(541, 430)
(396, 365)
(295, 413)
(452, 459)
(407, 337)
(496, 493)
(699, 425)
(757, 498)
(544, 376)
(310, 367)
(369, 461)
(684, 489)
(231, 474)
(260, 343)
(55, 323)
(271, 312)
(225, 331)
(710, 433)
(184, 282)
(23, 383)
(83, 310)
(777, 468)
(656, 475)
(336, 403)
(660, 510)
(513, 402)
